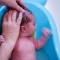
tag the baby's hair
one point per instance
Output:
(25, 18)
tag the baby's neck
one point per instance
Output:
(26, 37)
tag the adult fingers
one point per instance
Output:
(5, 17)
(22, 3)
(19, 18)
(17, 7)
(10, 16)
(14, 16)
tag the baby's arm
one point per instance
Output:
(40, 43)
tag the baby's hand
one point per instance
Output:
(46, 32)
(1, 39)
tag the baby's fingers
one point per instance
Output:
(46, 32)
(1, 39)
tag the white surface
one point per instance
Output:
(54, 8)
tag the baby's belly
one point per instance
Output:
(28, 55)
(25, 51)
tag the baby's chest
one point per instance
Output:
(26, 46)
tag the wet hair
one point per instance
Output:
(25, 18)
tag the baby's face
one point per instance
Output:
(28, 21)
(31, 25)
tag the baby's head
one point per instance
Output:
(28, 25)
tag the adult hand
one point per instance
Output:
(13, 4)
(11, 25)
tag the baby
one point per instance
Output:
(26, 44)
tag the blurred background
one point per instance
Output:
(53, 7)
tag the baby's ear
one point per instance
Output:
(23, 29)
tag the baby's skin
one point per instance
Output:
(24, 50)
(25, 47)
(26, 44)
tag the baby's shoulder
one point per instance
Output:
(24, 42)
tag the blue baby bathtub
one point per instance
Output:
(51, 50)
